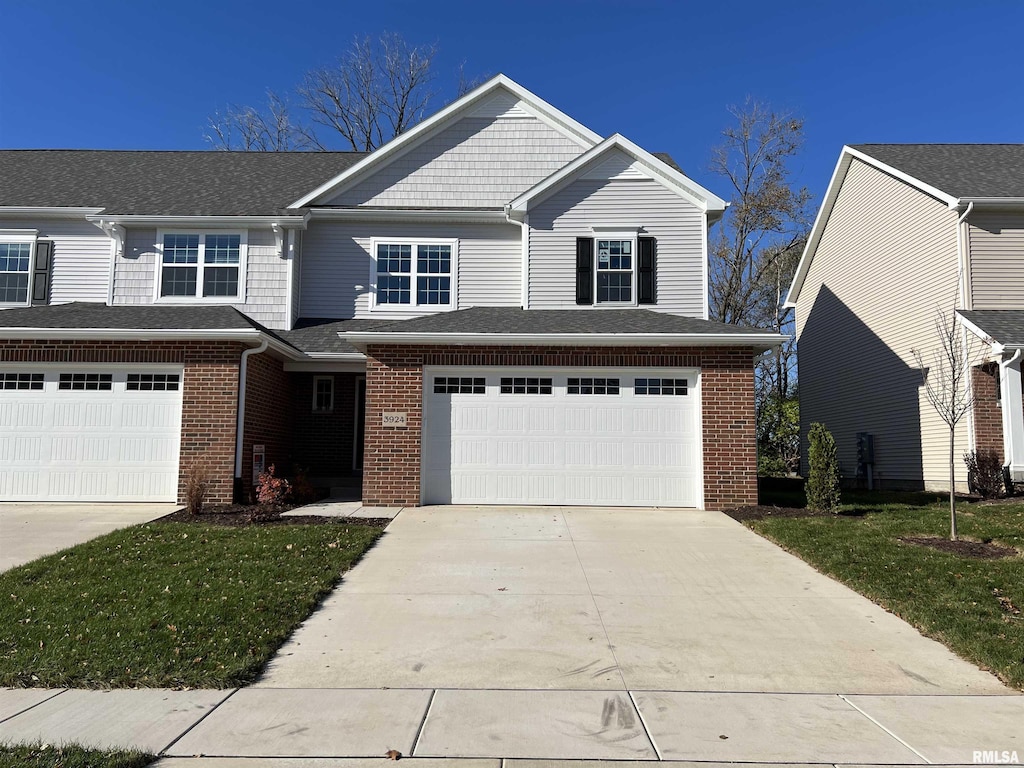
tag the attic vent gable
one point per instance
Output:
(616, 166)
(501, 104)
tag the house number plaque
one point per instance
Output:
(393, 419)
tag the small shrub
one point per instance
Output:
(771, 466)
(823, 478)
(271, 490)
(303, 491)
(197, 485)
(985, 473)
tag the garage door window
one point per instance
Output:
(660, 386)
(456, 385)
(153, 382)
(593, 386)
(21, 381)
(525, 386)
(86, 381)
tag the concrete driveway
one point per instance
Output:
(29, 531)
(601, 600)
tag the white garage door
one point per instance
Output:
(615, 437)
(71, 433)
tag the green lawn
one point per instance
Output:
(168, 604)
(951, 598)
(45, 756)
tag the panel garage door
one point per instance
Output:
(609, 437)
(73, 433)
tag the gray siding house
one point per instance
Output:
(906, 232)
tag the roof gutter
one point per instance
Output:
(54, 212)
(292, 222)
(761, 341)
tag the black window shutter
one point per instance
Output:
(41, 272)
(584, 270)
(646, 292)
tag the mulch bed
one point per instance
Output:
(980, 550)
(761, 511)
(243, 515)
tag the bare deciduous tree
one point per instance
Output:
(378, 89)
(270, 129)
(757, 247)
(947, 386)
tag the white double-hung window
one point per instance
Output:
(201, 265)
(414, 273)
(615, 265)
(15, 265)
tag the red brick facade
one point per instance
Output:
(268, 405)
(394, 381)
(988, 414)
(209, 393)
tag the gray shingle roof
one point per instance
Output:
(313, 334)
(204, 183)
(1005, 326)
(146, 317)
(959, 170)
(513, 320)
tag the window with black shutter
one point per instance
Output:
(584, 270)
(616, 269)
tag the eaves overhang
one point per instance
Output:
(152, 334)
(142, 220)
(758, 341)
(437, 216)
(49, 212)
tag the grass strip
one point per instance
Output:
(168, 605)
(46, 756)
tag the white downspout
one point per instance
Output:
(966, 302)
(524, 269)
(240, 428)
(1013, 409)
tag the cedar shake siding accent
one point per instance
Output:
(886, 263)
(337, 266)
(209, 394)
(81, 257)
(997, 259)
(266, 274)
(394, 381)
(676, 225)
(268, 400)
(477, 162)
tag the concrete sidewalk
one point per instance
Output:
(534, 725)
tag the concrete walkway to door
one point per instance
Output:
(604, 599)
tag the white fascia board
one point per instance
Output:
(556, 119)
(976, 330)
(288, 222)
(834, 184)
(394, 214)
(51, 212)
(988, 202)
(658, 170)
(760, 341)
(838, 176)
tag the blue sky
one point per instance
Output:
(145, 75)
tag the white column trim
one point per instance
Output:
(1013, 413)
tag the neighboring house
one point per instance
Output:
(498, 306)
(906, 231)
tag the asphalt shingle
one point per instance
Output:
(1005, 326)
(959, 170)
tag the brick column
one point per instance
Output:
(391, 458)
(729, 427)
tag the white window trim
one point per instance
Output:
(19, 236)
(413, 307)
(635, 260)
(316, 380)
(243, 259)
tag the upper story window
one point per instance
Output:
(15, 265)
(202, 265)
(615, 269)
(615, 264)
(414, 273)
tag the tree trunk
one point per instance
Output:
(952, 487)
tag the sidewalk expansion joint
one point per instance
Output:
(26, 709)
(206, 714)
(893, 735)
(643, 723)
(423, 723)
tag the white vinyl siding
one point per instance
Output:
(337, 266)
(266, 275)
(477, 162)
(997, 259)
(886, 262)
(677, 225)
(81, 257)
